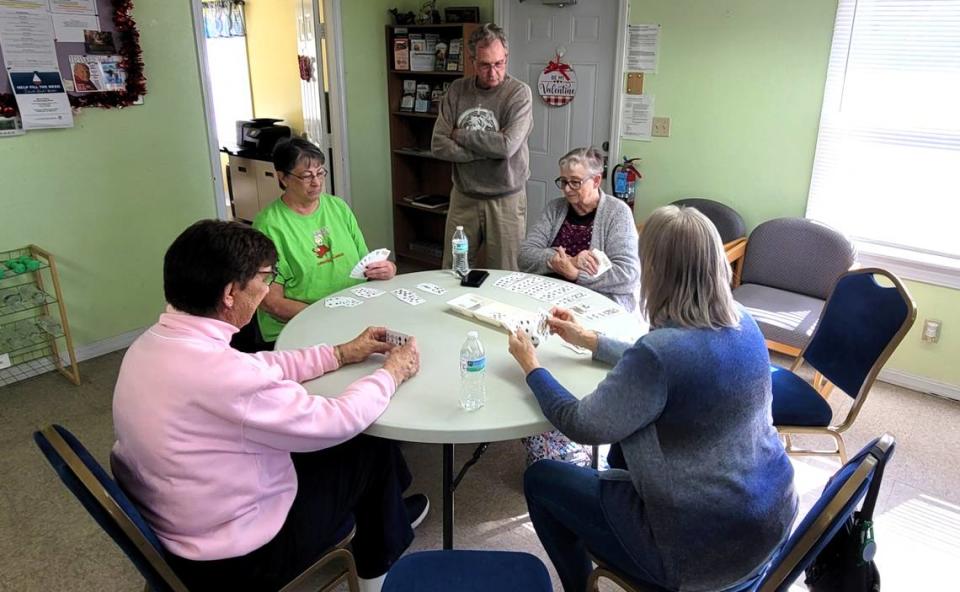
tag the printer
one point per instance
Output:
(257, 137)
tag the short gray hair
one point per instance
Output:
(685, 276)
(484, 35)
(590, 158)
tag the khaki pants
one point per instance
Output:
(497, 226)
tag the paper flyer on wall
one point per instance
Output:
(637, 117)
(69, 28)
(26, 39)
(41, 99)
(34, 5)
(96, 73)
(74, 6)
(643, 43)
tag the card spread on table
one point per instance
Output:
(408, 296)
(509, 279)
(431, 288)
(397, 338)
(367, 292)
(341, 301)
(371, 257)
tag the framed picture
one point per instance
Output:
(461, 14)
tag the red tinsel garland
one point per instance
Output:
(131, 60)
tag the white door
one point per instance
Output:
(586, 33)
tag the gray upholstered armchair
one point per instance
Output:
(789, 269)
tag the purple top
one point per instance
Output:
(575, 233)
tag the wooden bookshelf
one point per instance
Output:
(413, 169)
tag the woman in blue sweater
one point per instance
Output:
(702, 494)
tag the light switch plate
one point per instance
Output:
(4, 361)
(661, 127)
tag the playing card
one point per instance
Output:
(408, 296)
(341, 301)
(371, 257)
(431, 288)
(603, 260)
(571, 298)
(396, 337)
(365, 292)
(599, 314)
(509, 279)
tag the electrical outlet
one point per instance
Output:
(661, 127)
(931, 331)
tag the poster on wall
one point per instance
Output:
(41, 99)
(637, 117)
(94, 73)
(74, 6)
(643, 42)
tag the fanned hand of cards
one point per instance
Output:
(603, 261)
(371, 257)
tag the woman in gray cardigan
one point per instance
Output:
(585, 218)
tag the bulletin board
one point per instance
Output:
(117, 57)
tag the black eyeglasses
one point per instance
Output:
(574, 184)
(271, 276)
(310, 177)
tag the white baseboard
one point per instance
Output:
(920, 383)
(109, 345)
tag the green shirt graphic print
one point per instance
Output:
(316, 252)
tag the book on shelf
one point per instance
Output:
(401, 53)
(429, 201)
(409, 95)
(422, 102)
(417, 42)
(454, 53)
(436, 96)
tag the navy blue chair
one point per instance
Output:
(860, 327)
(468, 571)
(840, 499)
(102, 497)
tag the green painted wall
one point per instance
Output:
(742, 81)
(108, 196)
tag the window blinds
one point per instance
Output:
(887, 164)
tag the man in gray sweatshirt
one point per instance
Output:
(482, 129)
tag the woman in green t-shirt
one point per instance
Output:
(317, 238)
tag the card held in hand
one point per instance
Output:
(371, 257)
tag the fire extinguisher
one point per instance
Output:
(625, 177)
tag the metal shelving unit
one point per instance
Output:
(34, 331)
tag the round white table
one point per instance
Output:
(426, 408)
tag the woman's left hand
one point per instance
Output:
(522, 350)
(381, 270)
(373, 340)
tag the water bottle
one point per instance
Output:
(473, 370)
(460, 247)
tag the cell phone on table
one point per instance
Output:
(474, 278)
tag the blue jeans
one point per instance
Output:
(566, 510)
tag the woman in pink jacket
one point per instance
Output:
(244, 476)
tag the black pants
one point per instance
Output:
(365, 478)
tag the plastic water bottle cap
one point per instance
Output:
(459, 227)
(473, 334)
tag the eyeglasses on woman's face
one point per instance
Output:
(310, 176)
(271, 275)
(574, 183)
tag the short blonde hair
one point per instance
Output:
(685, 275)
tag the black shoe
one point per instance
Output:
(418, 506)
